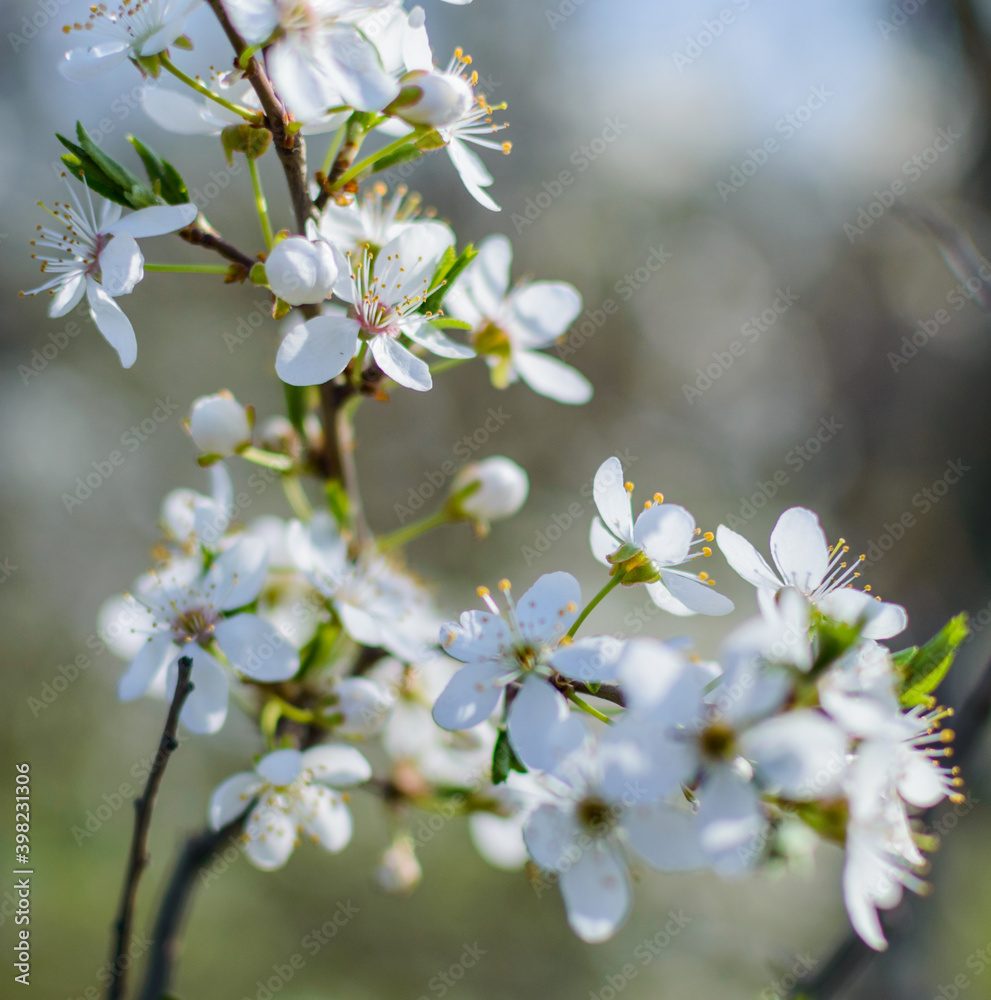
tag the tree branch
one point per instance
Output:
(289, 145)
(165, 935)
(139, 856)
(202, 234)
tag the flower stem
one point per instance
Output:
(614, 581)
(369, 161)
(270, 459)
(403, 536)
(260, 203)
(335, 145)
(246, 113)
(586, 707)
(190, 268)
(297, 498)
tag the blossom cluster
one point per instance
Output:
(577, 756)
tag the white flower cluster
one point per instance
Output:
(586, 754)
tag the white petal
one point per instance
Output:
(359, 76)
(613, 502)
(732, 827)
(84, 64)
(469, 698)
(238, 574)
(325, 818)
(541, 311)
(663, 598)
(271, 838)
(551, 835)
(602, 542)
(549, 608)
(592, 660)
(399, 364)
(597, 893)
(664, 532)
(541, 728)
(154, 221)
(477, 636)
(68, 295)
(472, 172)
(658, 680)
(112, 323)
(337, 765)
(146, 674)
(232, 798)
(360, 624)
(665, 837)
(882, 620)
(281, 767)
(121, 265)
(176, 112)
(256, 648)
(745, 559)
(317, 350)
(487, 277)
(431, 338)
(799, 548)
(694, 594)
(498, 839)
(206, 707)
(801, 755)
(407, 263)
(552, 378)
(255, 20)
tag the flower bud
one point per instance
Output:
(502, 489)
(399, 871)
(219, 425)
(300, 272)
(432, 98)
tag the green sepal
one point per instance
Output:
(835, 638)
(431, 139)
(504, 759)
(296, 406)
(626, 551)
(148, 65)
(165, 179)
(447, 272)
(184, 42)
(404, 154)
(280, 308)
(643, 572)
(923, 667)
(337, 501)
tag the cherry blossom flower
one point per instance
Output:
(184, 611)
(316, 53)
(137, 28)
(219, 425)
(294, 795)
(502, 490)
(301, 271)
(192, 521)
(510, 327)
(385, 297)
(102, 260)
(520, 651)
(370, 220)
(661, 539)
(805, 561)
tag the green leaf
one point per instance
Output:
(448, 276)
(504, 760)
(117, 173)
(296, 406)
(165, 179)
(922, 668)
(94, 178)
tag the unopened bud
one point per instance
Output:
(489, 490)
(429, 97)
(219, 425)
(399, 872)
(300, 272)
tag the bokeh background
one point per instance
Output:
(684, 103)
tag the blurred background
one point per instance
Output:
(767, 323)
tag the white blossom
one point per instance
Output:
(219, 425)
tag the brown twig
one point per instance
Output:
(202, 234)
(139, 856)
(165, 935)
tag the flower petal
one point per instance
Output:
(400, 365)
(324, 816)
(206, 707)
(881, 619)
(153, 221)
(549, 608)
(664, 531)
(430, 337)
(665, 837)
(271, 837)
(146, 673)
(592, 660)
(469, 698)
(540, 311)
(613, 502)
(238, 574)
(112, 323)
(799, 548)
(597, 893)
(552, 378)
(337, 765)
(68, 295)
(256, 648)
(232, 798)
(541, 728)
(315, 351)
(745, 559)
(694, 594)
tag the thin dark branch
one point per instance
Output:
(288, 144)
(607, 692)
(139, 857)
(853, 957)
(165, 935)
(201, 234)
